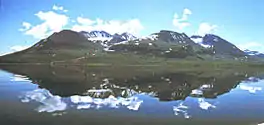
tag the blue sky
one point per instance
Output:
(24, 23)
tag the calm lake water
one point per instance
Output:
(42, 95)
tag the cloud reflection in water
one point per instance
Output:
(49, 102)
(52, 103)
(181, 109)
(86, 102)
(205, 105)
(20, 78)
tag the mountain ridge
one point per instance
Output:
(164, 43)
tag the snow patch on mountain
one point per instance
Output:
(100, 39)
(123, 42)
(104, 36)
(252, 53)
(150, 37)
(128, 36)
(97, 35)
(199, 40)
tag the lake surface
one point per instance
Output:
(44, 95)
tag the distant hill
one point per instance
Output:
(254, 53)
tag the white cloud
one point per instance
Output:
(205, 28)
(52, 22)
(182, 22)
(39, 31)
(59, 8)
(85, 21)
(187, 12)
(55, 22)
(18, 48)
(26, 26)
(133, 26)
(254, 46)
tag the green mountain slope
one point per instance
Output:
(59, 46)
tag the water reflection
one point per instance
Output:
(250, 89)
(49, 102)
(205, 105)
(182, 94)
(20, 78)
(181, 109)
(87, 102)
(101, 82)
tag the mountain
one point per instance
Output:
(218, 45)
(164, 43)
(127, 36)
(168, 37)
(254, 53)
(121, 38)
(97, 35)
(106, 39)
(66, 45)
(63, 45)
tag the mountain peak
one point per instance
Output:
(168, 35)
(128, 36)
(218, 44)
(66, 37)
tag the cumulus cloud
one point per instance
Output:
(133, 26)
(26, 26)
(182, 22)
(59, 8)
(55, 22)
(18, 48)
(206, 28)
(52, 22)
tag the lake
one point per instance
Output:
(45, 95)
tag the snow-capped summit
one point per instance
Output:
(218, 44)
(128, 36)
(97, 35)
(100, 34)
(106, 39)
(105, 36)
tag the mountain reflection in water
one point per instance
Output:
(183, 93)
(66, 82)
